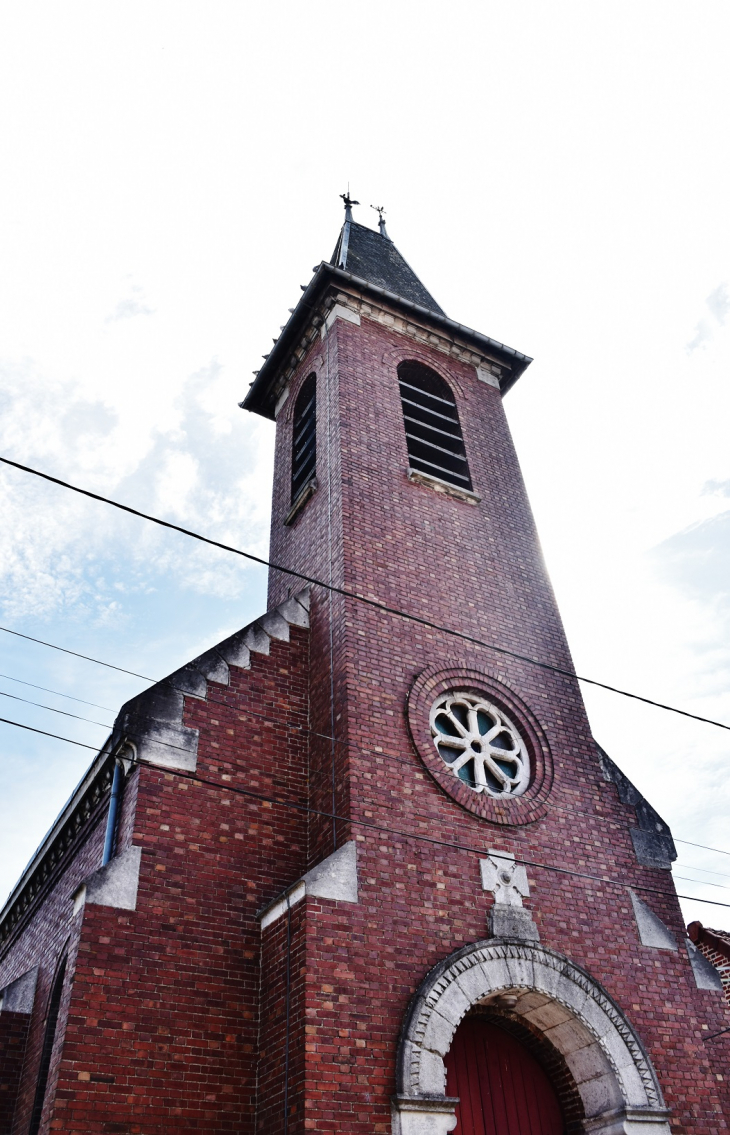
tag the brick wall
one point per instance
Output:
(50, 931)
(13, 1039)
(477, 568)
(284, 1024)
(159, 1024)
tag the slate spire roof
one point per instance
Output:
(373, 257)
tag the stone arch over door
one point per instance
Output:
(613, 1074)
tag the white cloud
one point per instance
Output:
(135, 304)
(718, 304)
(67, 552)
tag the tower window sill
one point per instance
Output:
(308, 491)
(444, 487)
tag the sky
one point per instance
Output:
(557, 176)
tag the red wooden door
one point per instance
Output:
(501, 1087)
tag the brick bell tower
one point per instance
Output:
(493, 943)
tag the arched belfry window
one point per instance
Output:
(433, 432)
(304, 438)
(49, 1037)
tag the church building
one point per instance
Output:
(362, 867)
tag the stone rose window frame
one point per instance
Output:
(515, 809)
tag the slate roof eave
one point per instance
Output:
(78, 792)
(260, 398)
(94, 772)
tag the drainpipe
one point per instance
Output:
(110, 838)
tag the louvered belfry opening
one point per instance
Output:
(304, 437)
(433, 432)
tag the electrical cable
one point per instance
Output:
(94, 748)
(52, 709)
(75, 653)
(58, 693)
(379, 754)
(329, 587)
(382, 828)
(379, 606)
(702, 882)
(374, 603)
(32, 729)
(688, 843)
(361, 750)
(707, 870)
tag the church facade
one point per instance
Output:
(362, 867)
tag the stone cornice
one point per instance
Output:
(331, 285)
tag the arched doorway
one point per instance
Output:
(613, 1085)
(502, 1088)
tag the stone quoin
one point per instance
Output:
(363, 874)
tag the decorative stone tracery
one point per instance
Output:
(527, 771)
(479, 744)
(613, 1074)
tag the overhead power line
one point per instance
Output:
(377, 753)
(58, 693)
(707, 871)
(326, 586)
(345, 593)
(52, 709)
(75, 653)
(369, 824)
(56, 736)
(703, 882)
(450, 844)
(361, 750)
(688, 843)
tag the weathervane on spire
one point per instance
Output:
(348, 204)
(380, 210)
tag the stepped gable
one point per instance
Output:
(153, 720)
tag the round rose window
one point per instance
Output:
(479, 744)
